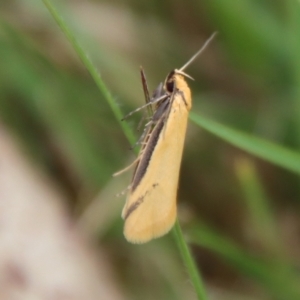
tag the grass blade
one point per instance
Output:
(271, 152)
(92, 70)
(189, 262)
(258, 206)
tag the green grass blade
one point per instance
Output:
(189, 262)
(276, 154)
(92, 70)
(258, 206)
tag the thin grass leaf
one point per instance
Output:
(189, 262)
(259, 210)
(92, 70)
(273, 153)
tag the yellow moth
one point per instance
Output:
(150, 208)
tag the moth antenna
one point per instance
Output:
(146, 90)
(184, 74)
(198, 52)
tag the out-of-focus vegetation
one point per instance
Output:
(239, 212)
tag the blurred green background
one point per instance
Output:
(240, 212)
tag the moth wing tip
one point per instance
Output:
(146, 235)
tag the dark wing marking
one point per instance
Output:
(146, 157)
(138, 202)
(134, 206)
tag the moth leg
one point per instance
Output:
(122, 193)
(128, 167)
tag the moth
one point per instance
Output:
(150, 209)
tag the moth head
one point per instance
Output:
(169, 83)
(172, 77)
(179, 73)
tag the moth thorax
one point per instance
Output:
(182, 87)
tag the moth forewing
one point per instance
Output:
(150, 209)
